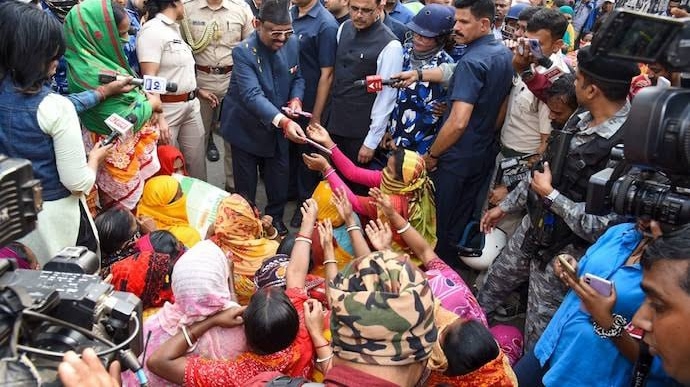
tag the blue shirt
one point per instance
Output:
(130, 48)
(316, 32)
(576, 356)
(483, 78)
(401, 13)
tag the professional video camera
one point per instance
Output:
(20, 199)
(653, 178)
(44, 313)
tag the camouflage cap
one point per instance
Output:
(382, 311)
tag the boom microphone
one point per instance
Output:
(110, 76)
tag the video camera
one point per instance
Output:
(20, 198)
(652, 180)
(44, 313)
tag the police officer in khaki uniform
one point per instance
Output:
(212, 28)
(163, 53)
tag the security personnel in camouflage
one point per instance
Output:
(556, 221)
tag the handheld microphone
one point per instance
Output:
(374, 83)
(120, 127)
(151, 84)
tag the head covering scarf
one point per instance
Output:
(327, 210)
(146, 275)
(93, 45)
(200, 285)
(418, 189)
(382, 311)
(238, 232)
(167, 155)
(496, 373)
(157, 203)
(273, 272)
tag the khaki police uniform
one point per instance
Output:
(212, 32)
(159, 41)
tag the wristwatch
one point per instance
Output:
(548, 199)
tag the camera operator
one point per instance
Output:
(665, 313)
(556, 216)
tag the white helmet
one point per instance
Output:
(478, 250)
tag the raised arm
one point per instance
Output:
(169, 360)
(344, 205)
(343, 164)
(299, 258)
(412, 238)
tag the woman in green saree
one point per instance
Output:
(96, 31)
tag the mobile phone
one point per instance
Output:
(318, 146)
(601, 285)
(535, 48)
(563, 259)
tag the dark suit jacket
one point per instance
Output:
(262, 82)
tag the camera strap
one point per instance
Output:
(642, 366)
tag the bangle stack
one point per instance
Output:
(188, 338)
(616, 330)
(354, 227)
(274, 235)
(328, 172)
(302, 239)
(405, 228)
(327, 358)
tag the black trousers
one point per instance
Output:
(456, 198)
(276, 169)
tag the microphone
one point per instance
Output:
(151, 84)
(119, 126)
(374, 83)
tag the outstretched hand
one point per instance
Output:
(342, 204)
(380, 234)
(309, 210)
(325, 234)
(382, 201)
(319, 134)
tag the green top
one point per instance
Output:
(94, 45)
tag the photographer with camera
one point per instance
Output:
(555, 199)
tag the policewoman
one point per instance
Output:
(163, 53)
(212, 28)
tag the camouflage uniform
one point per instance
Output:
(513, 266)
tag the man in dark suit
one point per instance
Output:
(266, 77)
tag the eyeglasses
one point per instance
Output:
(363, 11)
(280, 34)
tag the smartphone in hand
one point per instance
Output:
(567, 267)
(601, 285)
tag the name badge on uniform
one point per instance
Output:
(154, 84)
(198, 23)
(293, 70)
